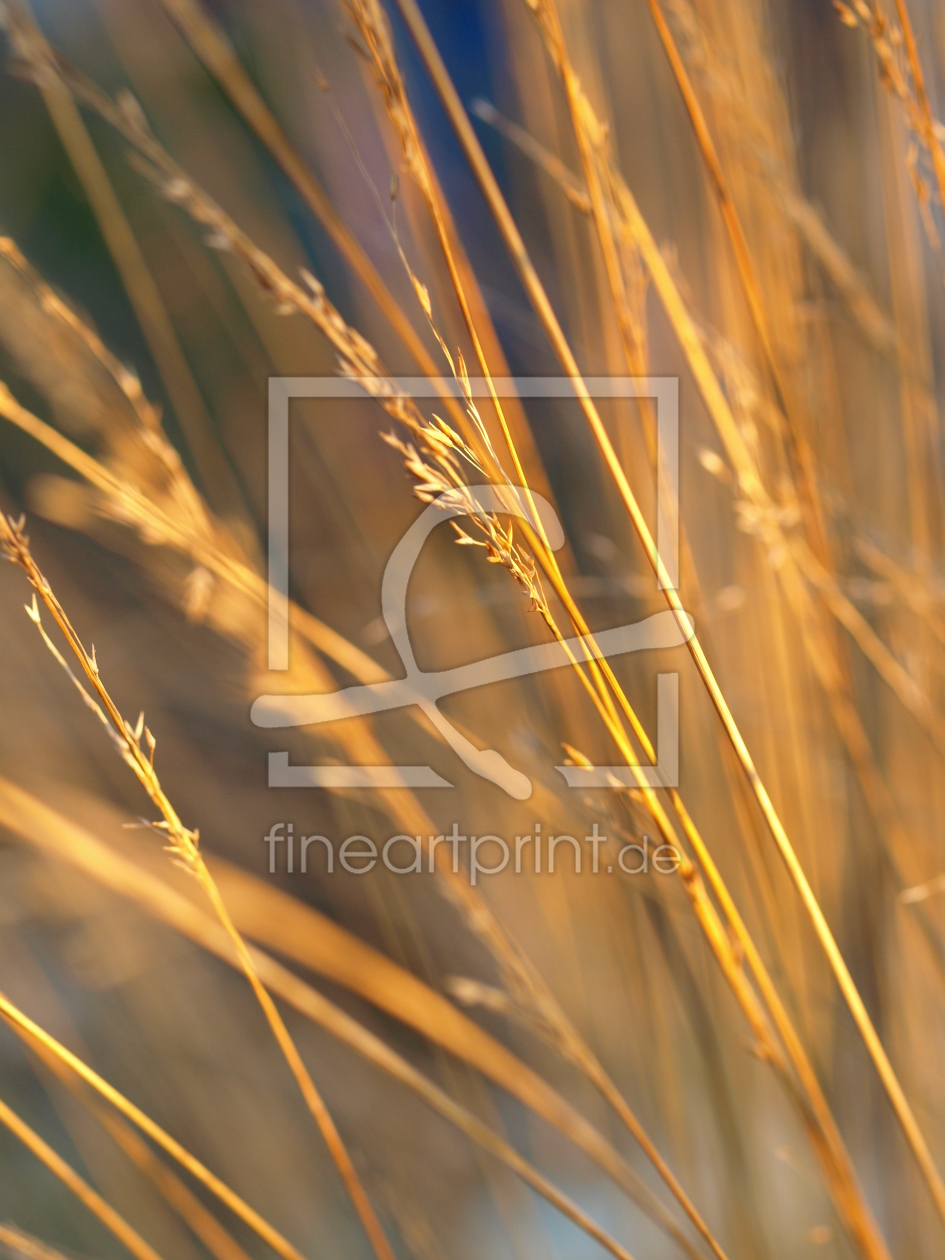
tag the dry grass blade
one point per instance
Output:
(771, 367)
(80, 1188)
(889, 669)
(184, 845)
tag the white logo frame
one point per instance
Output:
(426, 688)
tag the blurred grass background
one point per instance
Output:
(834, 183)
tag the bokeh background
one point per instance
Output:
(837, 688)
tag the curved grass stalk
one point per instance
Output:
(184, 845)
(112, 1221)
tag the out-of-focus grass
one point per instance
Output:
(747, 197)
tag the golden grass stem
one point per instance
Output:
(185, 845)
(586, 401)
(154, 1131)
(313, 1099)
(112, 1221)
(750, 484)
